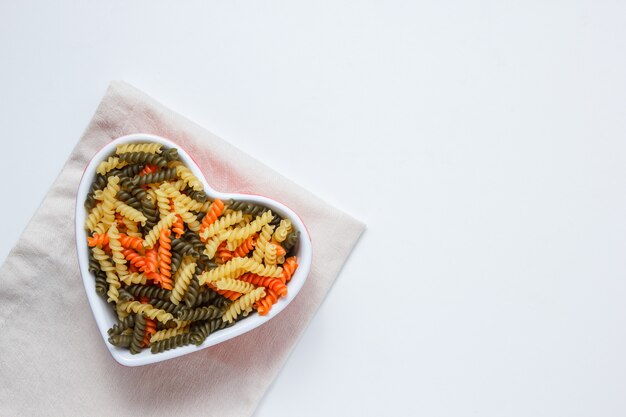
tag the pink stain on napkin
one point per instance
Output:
(52, 359)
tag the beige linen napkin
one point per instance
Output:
(53, 361)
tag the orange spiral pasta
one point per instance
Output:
(223, 253)
(264, 305)
(149, 169)
(135, 259)
(152, 259)
(280, 251)
(178, 227)
(216, 210)
(98, 239)
(274, 284)
(131, 242)
(289, 267)
(247, 245)
(232, 295)
(119, 219)
(151, 328)
(165, 259)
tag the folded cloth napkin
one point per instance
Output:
(53, 361)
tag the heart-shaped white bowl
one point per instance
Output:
(103, 313)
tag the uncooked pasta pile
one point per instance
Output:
(175, 264)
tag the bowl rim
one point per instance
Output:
(101, 309)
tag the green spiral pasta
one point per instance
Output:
(166, 174)
(202, 313)
(247, 208)
(129, 199)
(140, 291)
(176, 341)
(120, 340)
(194, 240)
(205, 296)
(122, 325)
(291, 240)
(143, 158)
(99, 182)
(199, 196)
(138, 334)
(171, 154)
(166, 306)
(101, 282)
(127, 171)
(125, 295)
(205, 328)
(193, 288)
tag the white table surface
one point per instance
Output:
(483, 143)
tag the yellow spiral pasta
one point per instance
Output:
(237, 267)
(187, 202)
(264, 237)
(188, 217)
(221, 224)
(182, 278)
(163, 201)
(178, 185)
(139, 147)
(147, 310)
(211, 247)
(130, 213)
(166, 334)
(230, 284)
(186, 175)
(131, 228)
(231, 269)
(242, 233)
(283, 230)
(243, 303)
(108, 205)
(94, 217)
(205, 207)
(121, 314)
(153, 235)
(116, 250)
(270, 254)
(134, 278)
(111, 277)
(112, 163)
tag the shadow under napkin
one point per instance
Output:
(52, 359)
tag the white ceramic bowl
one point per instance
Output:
(103, 313)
